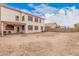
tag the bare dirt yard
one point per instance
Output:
(40, 44)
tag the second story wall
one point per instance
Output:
(10, 15)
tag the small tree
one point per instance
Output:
(77, 25)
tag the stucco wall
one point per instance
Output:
(9, 15)
(34, 24)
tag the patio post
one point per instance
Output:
(2, 34)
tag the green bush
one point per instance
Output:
(76, 25)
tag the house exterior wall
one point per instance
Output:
(34, 24)
(8, 15)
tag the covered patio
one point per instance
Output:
(11, 27)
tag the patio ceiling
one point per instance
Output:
(13, 23)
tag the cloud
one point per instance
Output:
(62, 11)
(44, 8)
(30, 5)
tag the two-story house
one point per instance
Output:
(16, 21)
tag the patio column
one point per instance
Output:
(2, 29)
(15, 29)
(20, 28)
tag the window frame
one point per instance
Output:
(36, 19)
(40, 20)
(23, 18)
(30, 18)
(35, 27)
(30, 27)
(17, 18)
(41, 27)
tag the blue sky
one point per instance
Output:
(64, 14)
(57, 5)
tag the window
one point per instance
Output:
(17, 18)
(36, 19)
(30, 27)
(41, 27)
(23, 18)
(40, 20)
(36, 27)
(30, 18)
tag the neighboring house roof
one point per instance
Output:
(20, 11)
(50, 24)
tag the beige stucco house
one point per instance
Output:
(16, 21)
(49, 26)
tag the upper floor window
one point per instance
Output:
(17, 18)
(40, 20)
(23, 18)
(30, 18)
(36, 19)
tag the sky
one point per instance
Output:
(64, 14)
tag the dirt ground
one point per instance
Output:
(40, 44)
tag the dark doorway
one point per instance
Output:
(23, 27)
(17, 29)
